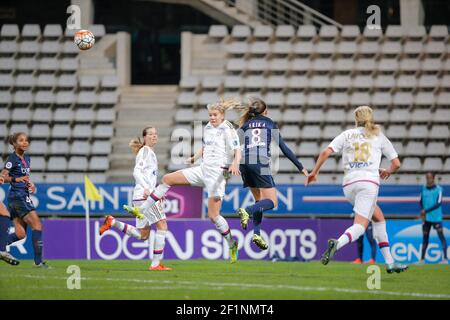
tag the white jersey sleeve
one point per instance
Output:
(387, 148)
(338, 143)
(232, 138)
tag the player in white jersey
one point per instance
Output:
(220, 155)
(145, 173)
(362, 149)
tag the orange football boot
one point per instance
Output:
(159, 267)
(357, 261)
(107, 224)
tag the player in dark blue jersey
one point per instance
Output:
(21, 208)
(4, 226)
(258, 131)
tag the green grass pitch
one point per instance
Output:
(219, 280)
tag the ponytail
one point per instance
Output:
(256, 107)
(364, 118)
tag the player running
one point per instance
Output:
(20, 205)
(221, 155)
(258, 131)
(362, 149)
(145, 174)
(4, 226)
(431, 214)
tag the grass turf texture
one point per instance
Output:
(203, 279)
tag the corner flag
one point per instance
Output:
(91, 194)
(91, 191)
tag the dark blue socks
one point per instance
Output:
(12, 238)
(36, 236)
(4, 226)
(257, 210)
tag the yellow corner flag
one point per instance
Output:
(91, 191)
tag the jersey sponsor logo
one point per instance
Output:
(359, 165)
(8, 165)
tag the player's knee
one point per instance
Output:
(21, 234)
(162, 225)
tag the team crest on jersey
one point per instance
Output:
(8, 165)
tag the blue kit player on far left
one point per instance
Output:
(21, 208)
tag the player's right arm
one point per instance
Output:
(195, 157)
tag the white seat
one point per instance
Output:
(295, 99)
(254, 82)
(38, 147)
(274, 99)
(350, 33)
(84, 115)
(439, 32)
(29, 48)
(311, 132)
(421, 115)
(57, 164)
(432, 164)
(328, 32)
(447, 165)
(21, 115)
(316, 99)
(306, 32)
(413, 49)
(416, 33)
(406, 82)
(99, 164)
(409, 66)
(418, 131)
(44, 98)
(25, 82)
(63, 115)
(276, 82)
(7, 65)
(428, 82)
(22, 98)
(217, 32)
(369, 49)
(407, 179)
(9, 32)
(69, 65)
(395, 32)
(314, 116)
(344, 66)
(440, 132)
(336, 116)
(388, 66)
(31, 31)
(359, 99)
(59, 147)
(279, 65)
(304, 49)
(398, 131)
(78, 163)
(441, 115)
(435, 49)
(55, 178)
(27, 65)
(331, 131)
(86, 98)
(52, 32)
(391, 49)
(259, 48)
(347, 49)
(325, 49)
(436, 149)
(292, 116)
(341, 83)
(424, 99)
(61, 131)
(411, 164)
(189, 83)
(40, 131)
(39, 164)
(400, 115)
(8, 48)
(319, 83)
(365, 66)
(69, 49)
(404, 99)
(101, 147)
(18, 127)
(241, 32)
(443, 99)
(306, 148)
(431, 65)
(363, 82)
(46, 82)
(415, 148)
(184, 115)
(291, 132)
(82, 131)
(236, 65)
(275, 114)
(109, 82)
(88, 82)
(103, 131)
(75, 178)
(50, 48)
(81, 147)
(263, 32)
(284, 32)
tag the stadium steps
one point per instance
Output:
(139, 107)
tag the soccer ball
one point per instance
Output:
(84, 39)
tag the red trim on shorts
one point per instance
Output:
(361, 181)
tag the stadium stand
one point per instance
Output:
(313, 78)
(69, 116)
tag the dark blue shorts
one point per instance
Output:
(256, 176)
(20, 207)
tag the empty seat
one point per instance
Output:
(336, 116)
(395, 33)
(428, 82)
(406, 82)
(63, 115)
(67, 82)
(61, 131)
(70, 49)
(7, 65)
(409, 66)
(294, 99)
(292, 116)
(416, 33)
(9, 32)
(75, 178)
(291, 132)
(328, 32)
(31, 32)
(397, 131)
(101, 147)
(441, 116)
(98, 30)
(436, 149)
(263, 32)
(284, 32)
(413, 49)
(69, 65)
(52, 32)
(306, 32)
(8, 48)
(81, 147)
(424, 99)
(240, 32)
(105, 115)
(46, 82)
(25, 82)
(411, 164)
(59, 147)
(27, 65)
(109, 82)
(29, 48)
(38, 147)
(50, 48)
(330, 165)
(341, 83)
(304, 49)
(82, 131)
(439, 33)
(415, 148)
(432, 164)
(55, 178)
(78, 163)
(431, 65)
(350, 33)
(404, 99)
(84, 115)
(86, 98)
(217, 32)
(316, 99)
(40, 131)
(88, 82)
(22, 98)
(49, 65)
(418, 131)
(44, 98)
(314, 116)
(407, 179)
(421, 115)
(311, 132)
(391, 49)
(331, 131)
(99, 164)
(440, 132)
(103, 131)
(38, 164)
(20, 115)
(57, 164)
(308, 148)
(400, 115)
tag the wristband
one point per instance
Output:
(13, 179)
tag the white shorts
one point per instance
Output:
(363, 196)
(211, 178)
(153, 214)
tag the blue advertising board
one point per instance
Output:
(405, 239)
(293, 200)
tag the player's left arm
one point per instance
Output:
(290, 155)
(389, 152)
(324, 155)
(234, 144)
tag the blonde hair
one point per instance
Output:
(364, 118)
(225, 104)
(136, 144)
(256, 106)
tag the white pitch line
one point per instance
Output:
(259, 286)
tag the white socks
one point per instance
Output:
(350, 235)
(222, 225)
(158, 247)
(126, 228)
(156, 195)
(380, 235)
